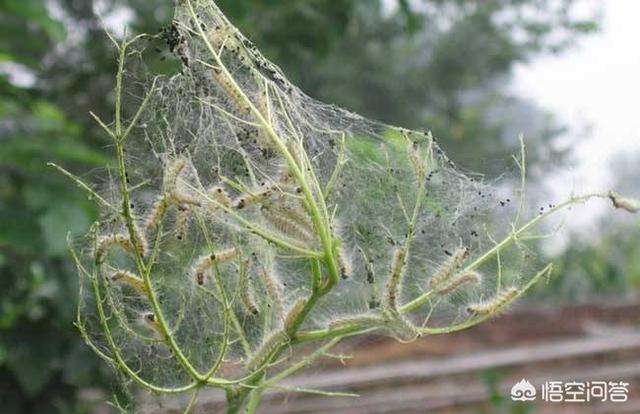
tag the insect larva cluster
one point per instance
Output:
(447, 269)
(285, 225)
(173, 196)
(263, 193)
(105, 243)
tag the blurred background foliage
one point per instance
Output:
(442, 65)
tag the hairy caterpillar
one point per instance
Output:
(274, 290)
(294, 312)
(267, 348)
(470, 276)
(395, 278)
(182, 222)
(246, 288)
(150, 319)
(285, 225)
(417, 163)
(219, 195)
(185, 199)
(402, 328)
(130, 279)
(221, 39)
(296, 213)
(170, 184)
(174, 168)
(156, 213)
(139, 240)
(366, 321)
(371, 276)
(106, 242)
(344, 263)
(253, 198)
(495, 304)
(445, 271)
(206, 261)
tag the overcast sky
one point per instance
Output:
(595, 86)
(595, 90)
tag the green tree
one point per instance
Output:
(41, 360)
(432, 64)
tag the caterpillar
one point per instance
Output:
(295, 213)
(267, 348)
(219, 195)
(222, 37)
(139, 240)
(174, 168)
(294, 312)
(417, 163)
(402, 329)
(493, 305)
(371, 276)
(130, 279)
(286, 178)
(253, 198)
(185, 199)
(156, 213)
(170, 183)
(445, 271)
(106, 242)
(395, 278)
(285, 226)
(470, 276)
(246, 288)
(366, 321)
(182, 222)
(344, 263)
(206, 261)
(274, 290)
(150, 319)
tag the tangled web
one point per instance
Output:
(249, 217)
